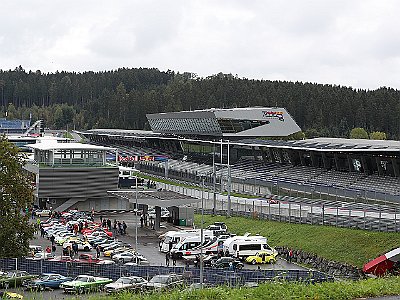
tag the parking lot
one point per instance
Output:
(147, 245)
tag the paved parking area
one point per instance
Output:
(147, 245)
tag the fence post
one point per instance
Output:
(269, 210)
(349, 215)
(300, 214)
(290, 213)
(364, 218)
(337, 215)
(323, 214)
(380, 215)
(311, 213)
(279, 210)
(395, 219)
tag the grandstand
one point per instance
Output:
(344, 167)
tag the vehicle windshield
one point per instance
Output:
(167, 239)
(82, 278)
(124, 281)
(159, 279)
(44, 277)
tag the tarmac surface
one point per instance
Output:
(147, 245)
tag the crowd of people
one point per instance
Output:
(117, 227)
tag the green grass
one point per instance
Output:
(355, 247)
(68, 135)
(282, 290)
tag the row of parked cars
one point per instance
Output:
(87, 283)
(91, 236)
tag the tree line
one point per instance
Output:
(121, 99)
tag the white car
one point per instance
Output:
(125, 283)
(129, 256)
(82, 246)
(43, 213)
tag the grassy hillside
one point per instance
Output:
(355, 247)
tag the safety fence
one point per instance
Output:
(190, 274)
(373, 217)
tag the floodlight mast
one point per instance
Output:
(201, 233)
(136, 223)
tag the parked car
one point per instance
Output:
(41, 256)
(261, 257)
(163, 282)
(125, 283)
(82, 245)
(46, 281)
(129, 256)
(85, 283)
(43, 213)
(111, 253)
(15, 278)
(225, 263)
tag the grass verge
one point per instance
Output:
(355, 247)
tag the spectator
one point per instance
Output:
(231, 267)
(48, 249)
(141, 221)
(75, 248)
(52, 239)
(124, 226)
(53, 248)
(98, 251)
(167, 259)
(173, 259)
(109, 224)
(290, 255)
(42, 232)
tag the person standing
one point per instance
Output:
(98, 251)
(173, 259)
(124, 226)
(167, 259)
(290, 255)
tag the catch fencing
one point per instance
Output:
(190, 274)
(373, 217)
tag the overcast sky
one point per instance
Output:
(352, 43)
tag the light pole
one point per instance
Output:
(201, 233)
(228, 214)
(136, 224)
(214, 182)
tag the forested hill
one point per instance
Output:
(122, 98)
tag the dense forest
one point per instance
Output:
(122, 98)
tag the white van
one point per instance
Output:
(172, 238)
(231, 245)
(249, 247)
(212, 247)
(184, 246)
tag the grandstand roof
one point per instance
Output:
(232, 123)
(126, 133)
(327, 144)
